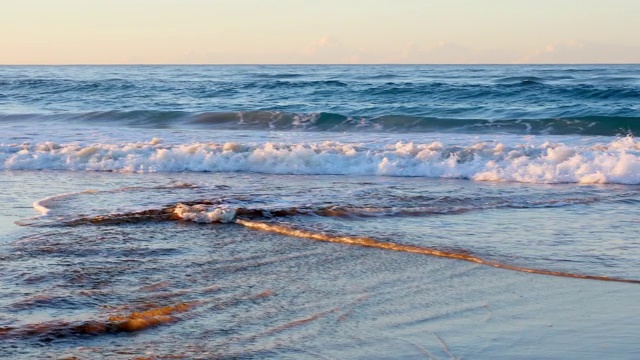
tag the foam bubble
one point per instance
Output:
(204, 214)
(43, 206)
(615, 162)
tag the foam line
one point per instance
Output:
(616, 162)
(368, 242)
(42, 205)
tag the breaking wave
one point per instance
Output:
(208, 212)
(557, 124)
(615, 162)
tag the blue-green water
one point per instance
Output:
(221, 212)
(583, 99)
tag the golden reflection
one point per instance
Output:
(368, 242)
(137, 321)
(134, 321)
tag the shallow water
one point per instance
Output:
(258, 294)
(269, 212)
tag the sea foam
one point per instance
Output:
(617, 161)
(204, 214)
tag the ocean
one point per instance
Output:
(333, 212)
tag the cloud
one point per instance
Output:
(444, 52)
(328, 50)
(581, 52)
(451, 53)
(321, 43)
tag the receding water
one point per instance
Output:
(319, 212)
(109, 273)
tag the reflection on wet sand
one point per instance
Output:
(245, 217)
(147, 316)
(367, 242)
(135, 321)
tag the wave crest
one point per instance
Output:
(615, 162)
(556, 124)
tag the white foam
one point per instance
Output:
(616, 161)
(43, 206)
(205, 214)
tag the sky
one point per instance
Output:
(319, 31)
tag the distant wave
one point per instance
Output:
(326, 121)
(615, 162)
(358, 88)
(580, 100)
(277, 84)
(523, 80)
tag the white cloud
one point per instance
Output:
(328, 50)
(451, 53)
(581, 52)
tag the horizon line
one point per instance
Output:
(320, 64)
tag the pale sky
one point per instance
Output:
(318, 31)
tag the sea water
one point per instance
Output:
(319, 212)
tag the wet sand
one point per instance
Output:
(178, 289)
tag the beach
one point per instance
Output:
(479, 212)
